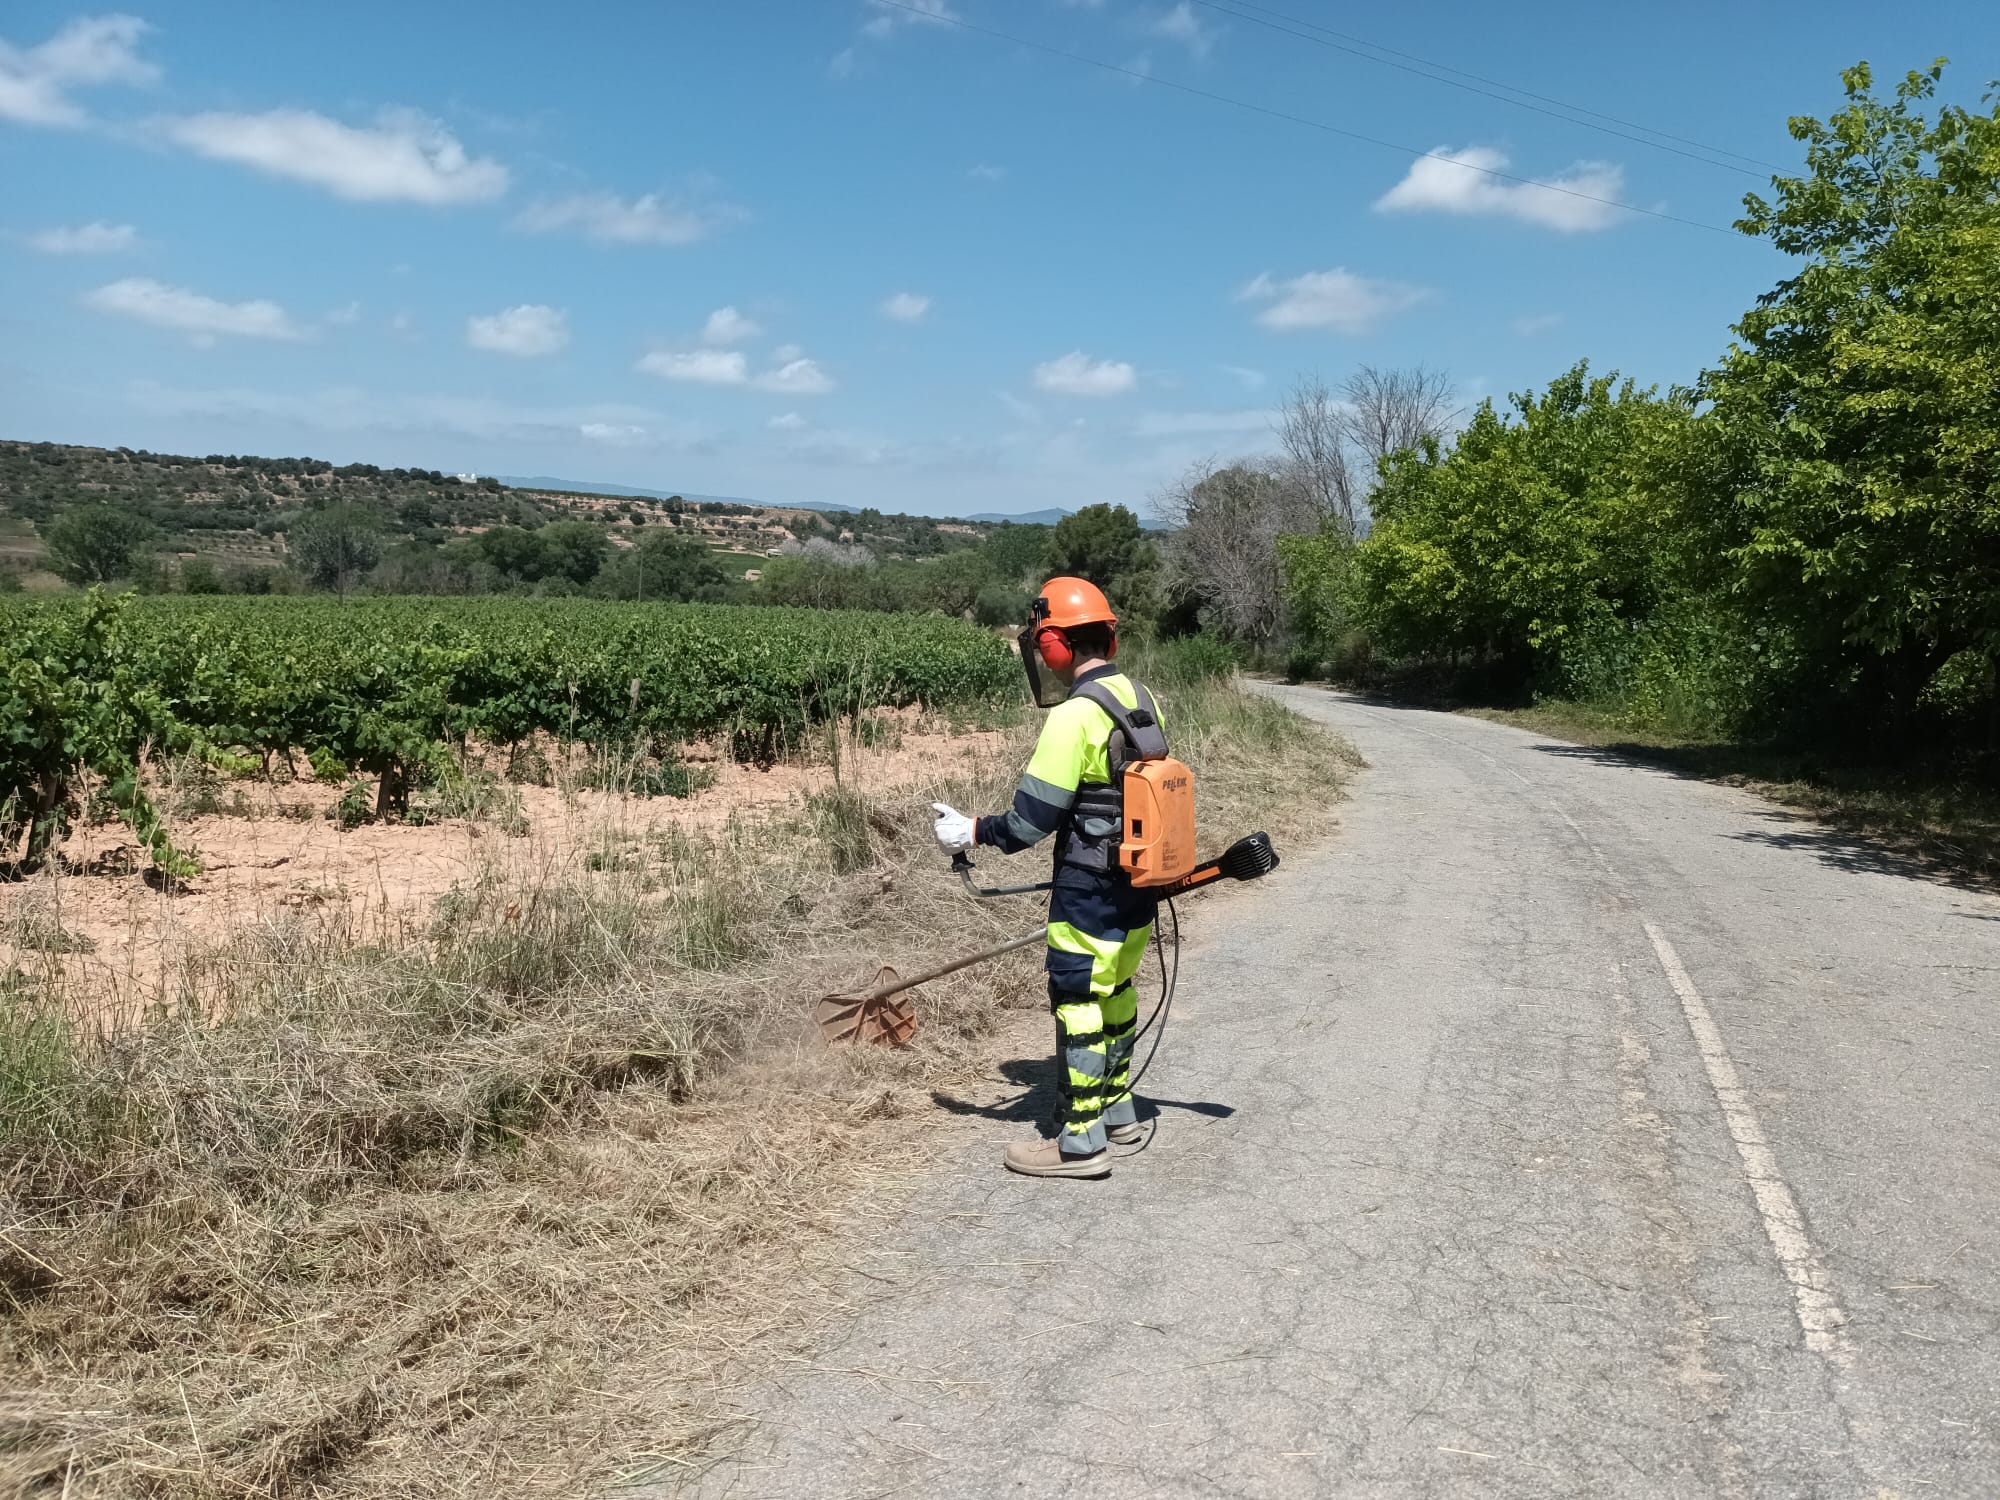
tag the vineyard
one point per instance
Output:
(388, 688)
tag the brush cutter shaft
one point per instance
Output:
(1246, 859)
(883, 992)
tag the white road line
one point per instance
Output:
(1820, 1314)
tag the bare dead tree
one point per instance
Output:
(1314, 427)
(1224, 549)
(1389, 410)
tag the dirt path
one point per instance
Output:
(1563, 1128)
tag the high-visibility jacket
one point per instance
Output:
(1074, 755)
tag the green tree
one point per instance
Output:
(572, 549)
(334, 545)
(1015, 552)
(1852, 494)
(97, 543)
(1104, 544)
(1528, 539)
(664, 568)
(513, 552)
(199, 575)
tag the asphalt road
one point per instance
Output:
(1562, 1128)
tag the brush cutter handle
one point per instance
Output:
(962, 863)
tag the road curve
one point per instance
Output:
(1563, 1127)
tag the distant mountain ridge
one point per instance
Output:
(1047, 517)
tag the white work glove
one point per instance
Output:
(953, 828)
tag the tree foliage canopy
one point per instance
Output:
(1809, 539)
(1528, 531)
(1104, 543)
(1853, 490)
(98, 543)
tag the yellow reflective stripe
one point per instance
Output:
(1120, 1007)
(1113, 961)
(1067, 937)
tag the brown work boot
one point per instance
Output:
(1046, 1159)
(1128, 1134)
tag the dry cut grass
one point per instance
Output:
(486, 1212)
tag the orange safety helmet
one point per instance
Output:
(1064, 603)
(1073, 601)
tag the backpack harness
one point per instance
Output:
(1140, 823)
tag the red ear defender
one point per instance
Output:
(1054, 648)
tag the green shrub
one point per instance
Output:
(1185, 659)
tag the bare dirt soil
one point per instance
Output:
(116, 940)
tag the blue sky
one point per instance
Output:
(848, 251)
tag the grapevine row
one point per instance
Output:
(382, 686)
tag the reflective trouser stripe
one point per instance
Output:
(1095, 1032)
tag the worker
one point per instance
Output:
(1099, 923)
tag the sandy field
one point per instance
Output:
(107, 932)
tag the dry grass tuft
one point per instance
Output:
(487, 1211)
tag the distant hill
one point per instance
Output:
(237, 512)
(592, 487)
(1047, 517)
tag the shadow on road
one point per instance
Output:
(1857, 850)
(1039, 1102)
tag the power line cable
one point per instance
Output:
(1279, 21)
(1279, 114)
(1511, 88)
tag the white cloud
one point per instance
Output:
(1024, 411)
(1076, 374)
(1458, 182)
(607, 219)
(985, 171)
(906, 307)
(701, 366)
(790, 374)
(345, 317)
(1528, 327)
(615, 434)
(203, 319)
(1250, 380)
(1336, 299)
(918, 13)
(1183, 25)
(884, 21)
(527, 331)
(795, 377)
(1182, 423)
(789, 421)
(35, 82)
(728, 326)
(404, 157)
(96, 238)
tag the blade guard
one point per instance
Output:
(869, 1017)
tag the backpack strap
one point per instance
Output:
(1144, 738)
